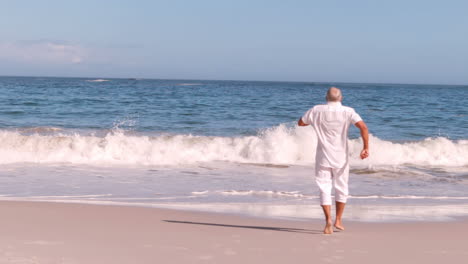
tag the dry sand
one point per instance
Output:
(38, 232)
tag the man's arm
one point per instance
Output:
(365, 138)
(301, 123)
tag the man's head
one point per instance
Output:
(334, 95)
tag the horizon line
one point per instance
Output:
(227, 80)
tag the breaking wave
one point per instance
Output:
(98, 80)
(276, 145)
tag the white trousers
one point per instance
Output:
(328, 178)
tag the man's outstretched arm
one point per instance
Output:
(301, 123)
(365, 138)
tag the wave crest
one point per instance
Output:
(277, 145)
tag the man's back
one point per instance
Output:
(331, 123)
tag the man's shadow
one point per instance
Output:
(282, 229)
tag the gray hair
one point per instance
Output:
(334, 95)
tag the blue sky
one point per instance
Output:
(394, 41)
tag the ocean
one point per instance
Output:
(230, 146)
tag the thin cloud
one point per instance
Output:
(43, 51)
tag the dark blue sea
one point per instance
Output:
(230, 146)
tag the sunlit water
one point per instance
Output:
(229, 146)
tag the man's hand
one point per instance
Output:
(364, 153)
(301, 123)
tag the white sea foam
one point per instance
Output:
(266, 193)
(297, 194)
(189, 84)
(200, 192)
(98, 80)
(277, 145)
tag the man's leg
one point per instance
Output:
(339, 213)
(323, 178)
(341, 193)
(328, 219)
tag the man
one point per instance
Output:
(331, 122)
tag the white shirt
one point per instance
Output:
(331, 123)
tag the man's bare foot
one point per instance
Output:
(339, 225)
(328, 229)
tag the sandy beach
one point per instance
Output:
(231, 132)
(41, 232)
